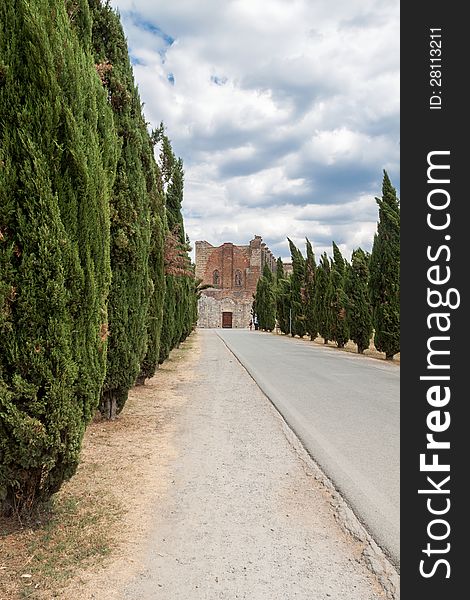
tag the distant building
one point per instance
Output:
(288, 268)
(232, 272)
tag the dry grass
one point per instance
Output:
(371, 352)
(90, 520)
(44, 554)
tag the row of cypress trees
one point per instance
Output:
(336, 299)
(96, 285)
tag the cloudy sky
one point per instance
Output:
(285, 112)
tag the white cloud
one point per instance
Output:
(285, 113)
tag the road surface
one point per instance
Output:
(345, 410)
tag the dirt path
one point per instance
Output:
(236, 512)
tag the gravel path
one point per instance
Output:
(243, 516)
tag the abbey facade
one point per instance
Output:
(232, 273)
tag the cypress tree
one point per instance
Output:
(156, 264)
(283, 303)
(257, 305)
(282, 293)
(184, 271)
(384, 283)
(173, 238)
(57, 164)
(323, 298)
(265, 301)
(180, 307)
(279, 269)
(131, 285)
(339, 325)
(297, 291)
(358, 311)
(169, 318)
(310, 273)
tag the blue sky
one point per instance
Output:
(285, 112)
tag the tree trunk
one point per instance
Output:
(140, 380)
(21, 500)
(108, 407)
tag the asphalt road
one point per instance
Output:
(345, 410)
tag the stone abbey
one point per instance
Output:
(232, 272)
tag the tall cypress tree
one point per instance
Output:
(180, 307)
(57, 164)
(184, 271)
(154, 184)
(339, 325)
(297, 291)
(169, 318)
(265, 301)
(384, 283)
(358, 310)
(173, 238)
(283, 304)
(282, 292)
(310, 274)
(131, 285)
(279, 269)
(323, 298)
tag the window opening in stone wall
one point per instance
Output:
(216, 277)
(238, 278)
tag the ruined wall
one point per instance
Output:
(233, 273)
(213, 303)
(226, 260)
(203, 251)
(288, 268)
(267, 258)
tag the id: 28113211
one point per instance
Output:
(435, 68)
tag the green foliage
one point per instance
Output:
(174, 198)
(154, 184)
(358, 308)
(168, 333)
(323, 298)
(384, 282)
(282, 294)
(339, 327)
(268, 274)
(279, 269)
(180, 308)
(180, 312)
(310, 275)
(283, 303)
(80, 192)
(265, 301)
(297, 291)
(131, 215)
(57, 164)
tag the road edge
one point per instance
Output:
(372, 555)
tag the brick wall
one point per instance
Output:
(239, 269)
(226, 260)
